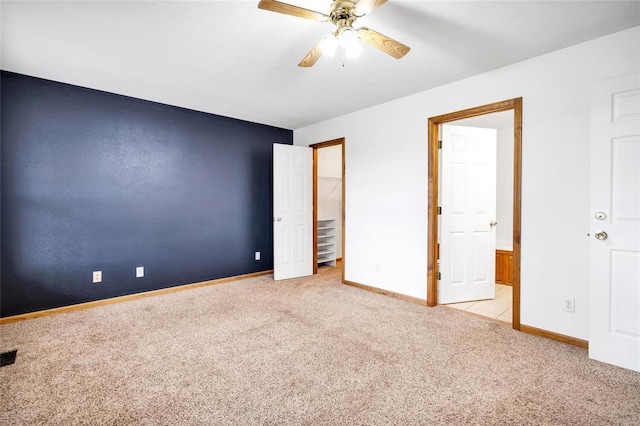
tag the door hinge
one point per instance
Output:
(439, 210)
(439, 144)
(439, 276)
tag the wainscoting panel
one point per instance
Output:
(504, 267)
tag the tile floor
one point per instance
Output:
(498, 308)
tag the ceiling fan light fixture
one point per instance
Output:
(353, 50)
(328, 45)
(349, 41)
(348, 37)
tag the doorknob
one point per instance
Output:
(277, 219)
(493, 223)
(601, 235)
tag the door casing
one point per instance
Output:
(432, 194)
(316, 147)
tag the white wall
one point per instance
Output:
(504, 189)
(386, 176)
(330, 189)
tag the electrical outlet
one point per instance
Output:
(97, 276)
(139, 271)
(570, 305)
(257, 256)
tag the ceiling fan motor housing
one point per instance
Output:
(341, 13)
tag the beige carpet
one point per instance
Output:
(306, 351)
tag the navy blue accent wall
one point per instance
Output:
(97, 181)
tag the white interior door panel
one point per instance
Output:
(292, 211)
(614, 316)
(467, 223)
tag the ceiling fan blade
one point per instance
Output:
(384, 43)
(366, 6)
(311, 57)
(289, 9)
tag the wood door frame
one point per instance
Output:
(514, 105)
(316, 147)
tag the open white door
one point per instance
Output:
(614, 316)
(467, 223)
(292, 211)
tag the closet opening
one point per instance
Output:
(328, 204)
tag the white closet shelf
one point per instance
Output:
(323, 252)
(326, 246)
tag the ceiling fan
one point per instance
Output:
(343, 13)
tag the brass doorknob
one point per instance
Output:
(601, 235)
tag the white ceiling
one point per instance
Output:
(233, 59)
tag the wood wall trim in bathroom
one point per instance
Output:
(504, 267)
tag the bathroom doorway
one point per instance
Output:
(434, 132)
(490, 190)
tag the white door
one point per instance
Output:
(292, 211)
(467, 266)
(614, 316)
